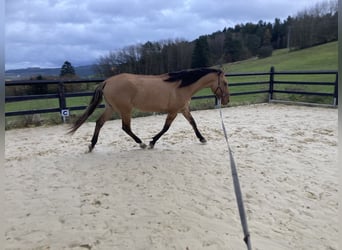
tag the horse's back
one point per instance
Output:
(135, 79)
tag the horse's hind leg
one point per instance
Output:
(126, 126)
(191, 120)
(106, 115)
(169, 119)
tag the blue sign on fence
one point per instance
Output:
(65, 112)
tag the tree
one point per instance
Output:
(253, 43)
(200, 55)
(315, 25)
(279, 34)
(232, 48)
(216, 48)
(266, 49)
(151, 57)
(39, 88)
(67, 70)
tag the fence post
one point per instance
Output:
(336, 90)
(61, 97)
(270, 91)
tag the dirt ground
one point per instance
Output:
(180, 194)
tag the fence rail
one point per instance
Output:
(272, 88)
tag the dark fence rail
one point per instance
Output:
(334, 83)
(272, 89)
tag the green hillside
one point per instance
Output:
(322, 57)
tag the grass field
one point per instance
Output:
(323, 57)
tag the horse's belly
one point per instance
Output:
(146, 106)
(156, 103)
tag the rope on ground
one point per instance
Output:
(237, 188)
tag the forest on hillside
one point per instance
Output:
(313, 26)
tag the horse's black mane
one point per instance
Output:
(189, 77)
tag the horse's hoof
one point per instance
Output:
(151, 146)
(203, 140)
(142, 145)
(90, 147)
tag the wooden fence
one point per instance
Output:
(273, 89)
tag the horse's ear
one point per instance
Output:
(220, 67)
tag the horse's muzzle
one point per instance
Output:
(221, 95)
(225, 100)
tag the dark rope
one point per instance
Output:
(237, 188)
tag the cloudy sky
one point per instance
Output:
(45, 33)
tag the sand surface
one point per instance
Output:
(180, 194)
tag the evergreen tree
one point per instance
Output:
(266, 49)
(200, 55)
(67, 70)
(266, 41)
(232, 48)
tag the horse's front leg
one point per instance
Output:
(126, 126)
(169, 119)
(191, 120)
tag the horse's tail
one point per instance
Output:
(95, 101)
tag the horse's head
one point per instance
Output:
(220, 88)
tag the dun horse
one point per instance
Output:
(170, 93)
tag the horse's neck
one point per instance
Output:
(201, 84)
